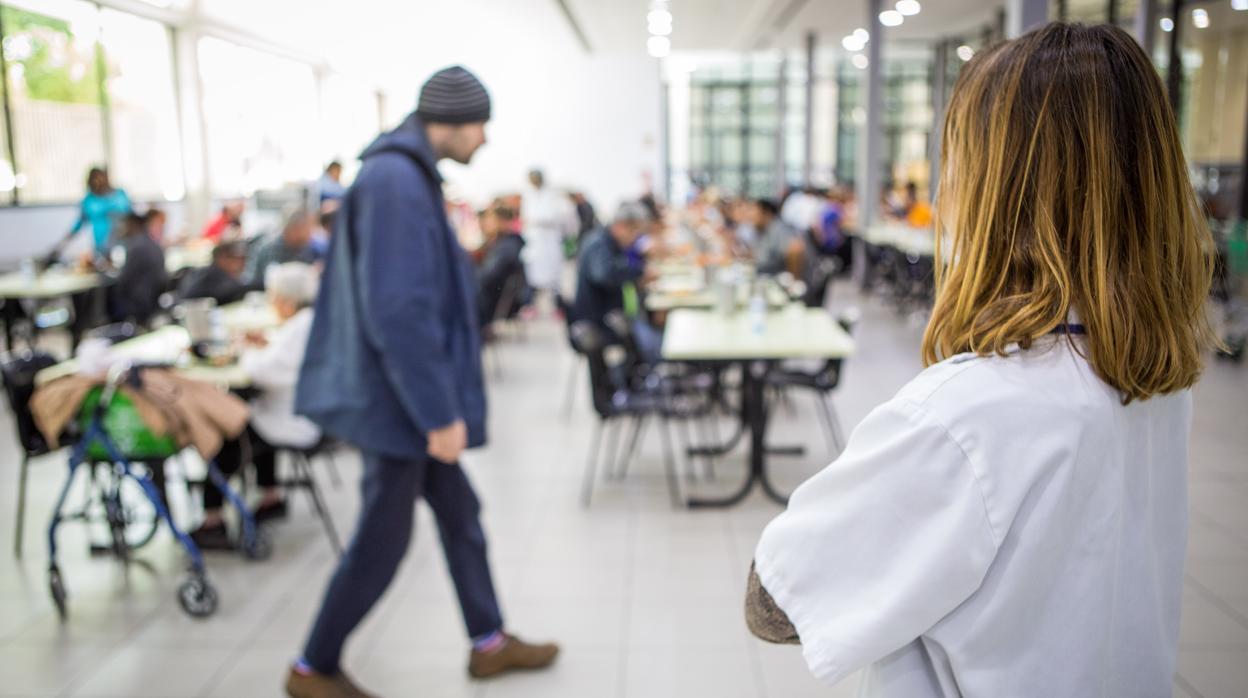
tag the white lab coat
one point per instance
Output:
(548, 216)
(274, 369)
(1003, 526)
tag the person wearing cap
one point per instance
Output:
(222, 280)
(393, 366)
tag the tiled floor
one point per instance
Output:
(646, 600)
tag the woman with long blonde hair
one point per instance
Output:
(1014, 521)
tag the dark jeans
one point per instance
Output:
(230, 461)
(390, 489)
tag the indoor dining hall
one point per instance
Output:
(624, 349)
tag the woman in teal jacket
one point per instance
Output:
(102, 207)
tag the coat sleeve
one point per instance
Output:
(606, 269)
(398, 259)
(879, 546)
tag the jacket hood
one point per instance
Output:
(408, 139)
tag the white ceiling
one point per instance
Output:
(708, 25)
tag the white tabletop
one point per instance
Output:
(670, 298)
(920, 242)
(170, 344)
(53, 283)
(187, 257)
(790, 333)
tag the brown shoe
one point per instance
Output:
(514, 654)
(320, 686)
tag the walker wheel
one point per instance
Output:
(57, 588)
(258, 547)
(197, 597)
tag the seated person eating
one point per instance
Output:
(273, 364)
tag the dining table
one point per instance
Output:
(758, 343)
(82, 288)
(171, 345)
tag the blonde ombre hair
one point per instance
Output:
(1064, 188)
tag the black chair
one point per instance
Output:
(19, 385)
(614, 400)
(505, 310)
(821, 382)
(569, 393)
(303, 477)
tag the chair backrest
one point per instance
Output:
(834, 370)
(568, 311)
(18, 373)
(635, 366)
(819, 281)
(509, 300)
(591, 342)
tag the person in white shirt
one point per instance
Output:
(547, 218)
(272, 362)
(1014, 521)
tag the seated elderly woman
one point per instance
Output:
(273, 364)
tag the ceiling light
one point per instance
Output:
(891, 18)
(1239, 4)
(1200, 17)
(659, 46)
(859, 61)
(659, 17)
(965, 52)
(863, 36)
(908, 7)
(660, 29)
(851, 43)
(1167, 24)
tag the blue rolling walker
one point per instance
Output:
(113, 433)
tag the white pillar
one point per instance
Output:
(1145, 28)
(191, 121)
(808, 118)
(871, 145)
(1021, 16)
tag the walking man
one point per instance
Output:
(394, 367)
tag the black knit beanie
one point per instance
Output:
(453, 96)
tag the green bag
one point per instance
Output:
(1237, 249)
(126, 428)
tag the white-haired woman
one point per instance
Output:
(273, 364)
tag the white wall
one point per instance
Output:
(591, 122)
(31, 231)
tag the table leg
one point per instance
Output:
(753, 417)
(10, 317)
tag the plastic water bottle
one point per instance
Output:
(28, 271)
(758, 310)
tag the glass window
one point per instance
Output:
(1214, 101)
(54, 84)
(146, 152)
(260, 113)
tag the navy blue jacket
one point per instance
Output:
(394, 351)
(601, 272)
